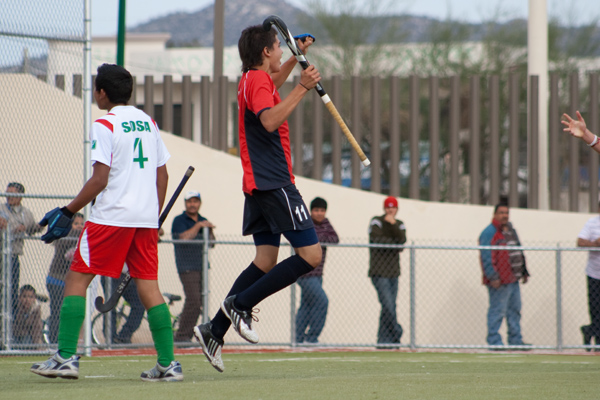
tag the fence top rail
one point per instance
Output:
(38, 196)
(397, 246)
(558, 247)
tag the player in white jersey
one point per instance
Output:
(128, 183)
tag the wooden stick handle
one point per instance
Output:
(338, 118)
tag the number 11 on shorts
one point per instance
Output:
(301, 213)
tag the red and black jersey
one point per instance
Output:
(266, 156)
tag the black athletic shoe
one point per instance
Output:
(587, 338)
(521, 346)
(211, 345)
(240, 320)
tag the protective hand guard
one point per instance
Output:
(59, 223)
(303, 37)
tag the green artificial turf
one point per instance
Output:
(328, 375)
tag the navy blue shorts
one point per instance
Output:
(278, 211)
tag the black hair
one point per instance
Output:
(19, 186)
(318, 202)
(27, 288)
(116, 82)
(499, 205)
(251, 44)
(80, 215)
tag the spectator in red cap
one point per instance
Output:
(384, 269)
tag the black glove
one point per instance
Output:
(59, 223)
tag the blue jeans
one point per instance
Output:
(390, 330)
(313, 309)
(505, 302)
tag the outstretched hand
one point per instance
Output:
(575, 127)
(59, 224)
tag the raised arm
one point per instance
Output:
(272, 118)
(578, 128)
(287, 67)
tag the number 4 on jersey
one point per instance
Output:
(140, 158)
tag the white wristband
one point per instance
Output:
(594, 142)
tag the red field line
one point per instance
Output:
(148, 351)
(266, 350)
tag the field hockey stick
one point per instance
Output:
(277, 22)
(114, 298)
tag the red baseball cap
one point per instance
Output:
(390, 202)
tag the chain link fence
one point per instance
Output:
(441, 302)
(41, 68)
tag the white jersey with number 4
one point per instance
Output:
(128, 141)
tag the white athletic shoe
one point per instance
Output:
(170, 373)
(240, 320)
(58, 367)
(211, 345)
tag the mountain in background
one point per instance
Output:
(195, 29)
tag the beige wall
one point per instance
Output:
(448, 283)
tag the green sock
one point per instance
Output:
(72, 314)
(159, 319)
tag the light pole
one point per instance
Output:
(537, 64)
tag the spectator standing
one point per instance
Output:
(27, 324)
(188, 258)
(590, 237)
(384, 268)
(19, 220)
(502, 270)
(313, 300)
(64, 249)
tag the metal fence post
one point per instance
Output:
(205, 291)
(413, 343)
(108, 317)
(559, 338)
(6, 290)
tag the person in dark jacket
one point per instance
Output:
(188, 258)
(384, 268)
(313, 300)
(502, 270)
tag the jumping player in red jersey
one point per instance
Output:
(273, 205)
(128, 186)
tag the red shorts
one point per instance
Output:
(103, 249)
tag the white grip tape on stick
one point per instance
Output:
(325, 99)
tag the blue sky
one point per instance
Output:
(105, 12)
